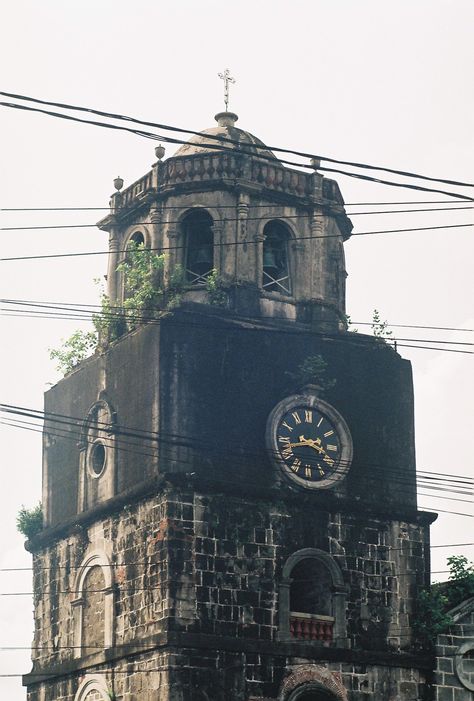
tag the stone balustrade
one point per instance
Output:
(129, 196)
(228, 166)
(306, 627)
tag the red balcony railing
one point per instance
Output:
(304, 626)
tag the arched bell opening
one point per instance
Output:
(276, 269)
(198, 246)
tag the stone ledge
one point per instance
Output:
(197, 641)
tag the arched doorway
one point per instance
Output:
(312, 692)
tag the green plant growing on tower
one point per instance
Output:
(380, 328)
(349, 324)
(313, 370)
(79, 346)
(215, 290)
(143, 292)
(29, 522)
(176, 285)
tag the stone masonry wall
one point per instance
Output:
(448, 686)
(188, 563)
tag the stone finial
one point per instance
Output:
(118, 183)
(226, 119)
(160, 152)
(315, 163)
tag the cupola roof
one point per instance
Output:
(225, 128)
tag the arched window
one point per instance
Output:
(312, 598)
(276, 271)
(93, 611)
(198, 246)
(92, 608)
(92, 689)
(136, 240)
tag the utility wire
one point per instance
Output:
(65, 305)
(69, 435)
(64, 314)
(226, 206)
(243, 151)
(75, 436)
(238, 219)
(163, 437)
(216, 245)
(133, 316)
(280, 206)
(145, 563)
(226, 140)
(185, 441)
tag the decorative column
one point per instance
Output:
(317, 257)
(112, 275)
(219, 253)
(242, 269)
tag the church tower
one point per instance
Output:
(230, 507)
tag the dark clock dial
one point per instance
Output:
(308, 443)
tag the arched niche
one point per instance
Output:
(312, 581)
(90, 588)
(97, 459)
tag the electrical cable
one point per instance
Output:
(98, 307)
(226, 140)
(166, 437)
(172, 438)
(422, 481)
(222, 244)
(144, 563)
(88, 316)
(229, 206)
(243, 151)
(266, 206)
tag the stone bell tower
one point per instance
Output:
(233, 515)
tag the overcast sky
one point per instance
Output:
(378, 82)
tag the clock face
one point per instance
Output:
(309, 441)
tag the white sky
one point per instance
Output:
(379, 82)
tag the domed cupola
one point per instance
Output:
(232, 216)
(238, 139)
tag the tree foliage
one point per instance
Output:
(29, 522)
(433, 605)
(142, 271)
(79, 346)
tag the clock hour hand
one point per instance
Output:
(310, 443)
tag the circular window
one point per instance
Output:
(464, 664)
(97, 458)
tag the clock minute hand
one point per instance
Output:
(309, 442)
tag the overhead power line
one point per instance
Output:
(218, 245)
(76, 313)
(97, 308)
(226, 206)
(71, 432)
(243, 151)
(174, 440)
(226, 140)
(256, 206)
(147, 563)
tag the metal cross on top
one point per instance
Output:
(226, 77)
